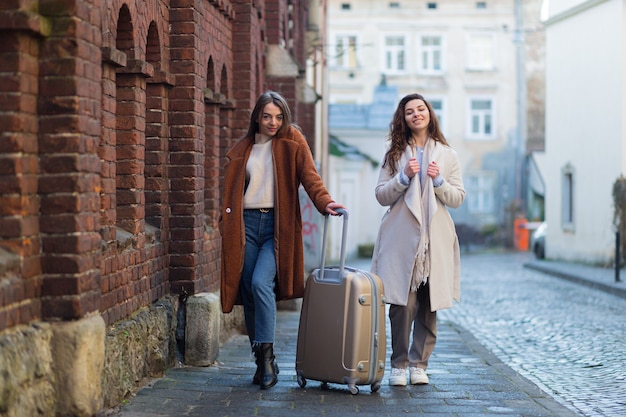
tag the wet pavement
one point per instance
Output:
(520, 343)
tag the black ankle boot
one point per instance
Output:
(269, 368)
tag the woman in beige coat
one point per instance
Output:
(417, 251)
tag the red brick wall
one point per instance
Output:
(115, 118)
(20, 268)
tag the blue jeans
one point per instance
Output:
(258, 276)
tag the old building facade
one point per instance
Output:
(480, 64)
(585, 141)
(115, 116)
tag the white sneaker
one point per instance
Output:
(398, 377)
(418, 376)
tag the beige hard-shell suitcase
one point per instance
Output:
(341, 336)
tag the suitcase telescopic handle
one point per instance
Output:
(344, 233)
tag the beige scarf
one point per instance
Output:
(428, 203)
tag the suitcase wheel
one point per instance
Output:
(375, 386)
(301, 379)
(354, 390)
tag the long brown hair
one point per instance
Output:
(400, 133)
(262, 101)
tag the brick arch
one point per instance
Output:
(129, 133)
(153, 46)
(210, 75)
(124, 34)
(134, 148)
(157, 129)
(212, 100)
(224, 85)
(226, 113)
(116, 58)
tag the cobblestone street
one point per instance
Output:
(520, 343)
(567, 338)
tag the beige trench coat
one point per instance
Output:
(399, 234)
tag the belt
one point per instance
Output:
(262, 210)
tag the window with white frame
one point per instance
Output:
(567, 198)
(345, 54)
(481, 118)
(481, 52)
(481, 192)
(439, 109)
(395, 53)
(430, 54)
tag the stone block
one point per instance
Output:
(138, 348)
(78, 355)
(125, 357)
(202, 332)
(27, 381)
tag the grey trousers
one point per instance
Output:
(416, 315)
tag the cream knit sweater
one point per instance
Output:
(260, 175)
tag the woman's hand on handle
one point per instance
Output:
(332, 207)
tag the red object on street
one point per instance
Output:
(521, 234)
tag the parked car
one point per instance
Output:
(538, 241)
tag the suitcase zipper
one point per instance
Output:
(374, 346)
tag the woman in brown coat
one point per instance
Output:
(417, 251)
(261, 224)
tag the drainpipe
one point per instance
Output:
(518, 40)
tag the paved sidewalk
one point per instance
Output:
(595, 277)
(465, 380)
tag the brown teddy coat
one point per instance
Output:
(293, 165)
